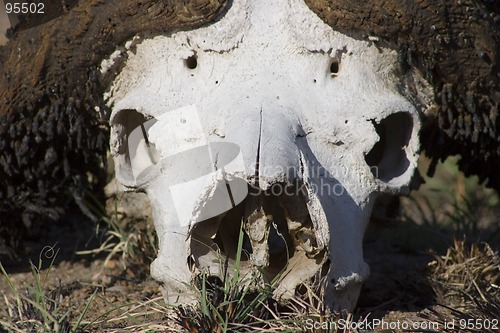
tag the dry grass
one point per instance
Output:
(465, 281)
(36, 309)
(222, 313)
(467, 278)
(152, 315)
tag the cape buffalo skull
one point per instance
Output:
(303, 125)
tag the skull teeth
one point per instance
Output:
(257, 223)
(276, 228)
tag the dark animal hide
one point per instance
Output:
(53, 121)
(455, 44)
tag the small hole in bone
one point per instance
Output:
(191, 62)
(334, 67)
(387, 159)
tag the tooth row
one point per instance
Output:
(300, 225)
(281, 236)
(257, 224)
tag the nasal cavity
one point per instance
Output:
(388, 159)
(135, 153)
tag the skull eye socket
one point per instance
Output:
(388, 159)
(134, 154)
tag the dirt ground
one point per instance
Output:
(397, 288)
(77, 277)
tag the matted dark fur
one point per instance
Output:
(53, 141)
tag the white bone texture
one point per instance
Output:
(308, 109)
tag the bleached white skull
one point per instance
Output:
(269, 118)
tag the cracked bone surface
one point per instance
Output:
(290, 128)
